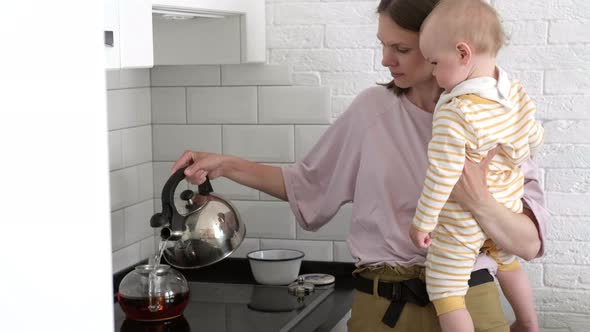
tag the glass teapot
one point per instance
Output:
(149, 294)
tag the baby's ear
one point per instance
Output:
(464, 52)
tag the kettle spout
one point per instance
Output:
(168, 234)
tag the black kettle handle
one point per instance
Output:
(168, 206)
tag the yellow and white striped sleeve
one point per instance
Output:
(537, 136)
(537, 132)
(446, 157)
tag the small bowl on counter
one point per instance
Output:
(275, 266)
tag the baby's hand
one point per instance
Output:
(421, 239)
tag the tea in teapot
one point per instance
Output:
(151, 293)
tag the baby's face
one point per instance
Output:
(439, 50)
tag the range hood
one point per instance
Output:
(175, 13)
(209, 31)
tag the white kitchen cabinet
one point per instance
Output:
(111, 32)
(184, 32)
(132, 42)
(212, 32)
(135, 21)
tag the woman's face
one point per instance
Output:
(401, 54)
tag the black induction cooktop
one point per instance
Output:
(226, 307)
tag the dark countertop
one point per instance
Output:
(237, 271)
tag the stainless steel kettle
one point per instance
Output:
(208, 232)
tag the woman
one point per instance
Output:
(374, 156)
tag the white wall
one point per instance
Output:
(56, 262)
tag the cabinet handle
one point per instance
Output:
(108, 38)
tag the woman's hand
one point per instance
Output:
(472, 190)
(514, 232)
(200, 165)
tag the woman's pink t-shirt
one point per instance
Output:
(374, 156)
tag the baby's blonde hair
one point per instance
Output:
(472, 21)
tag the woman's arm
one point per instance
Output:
(268, 179)
(514, 232)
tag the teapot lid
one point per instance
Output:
(147, 268)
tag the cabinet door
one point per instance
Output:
(137, 47)
(111, 29)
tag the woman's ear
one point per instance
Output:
(464, 51)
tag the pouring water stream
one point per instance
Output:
(153, 287)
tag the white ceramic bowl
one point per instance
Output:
(275, 266)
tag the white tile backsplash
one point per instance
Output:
(127, 78)
(222, 105)
(294, 105)
(131, 176)
(126, 257)
(133, 78)
(259, 143)
(232, 190)
(137, 221)
(145, 173)
(255, 74)
(267, 219)
(169, 105)
(128, 108)
(305, 138)
(342, 253)
(118, 229)
(147, 247)
(157, 208)
(136, 145)
(112, 79)
(186, 76)
(314, 250)
(170, 141)
(247, 110)
(247, 246)
(161, 175)
(115, 150)
(124, 188)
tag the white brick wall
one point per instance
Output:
(551, 37)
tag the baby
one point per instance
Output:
(479, 110)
